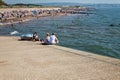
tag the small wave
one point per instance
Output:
(14, 32)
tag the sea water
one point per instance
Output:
(97, 33)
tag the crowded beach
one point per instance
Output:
(17, 15)
(11, 15)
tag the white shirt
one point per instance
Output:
(53, 39)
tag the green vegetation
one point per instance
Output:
(18, 5)
(25, 5)
(22, 5)
(2, 3)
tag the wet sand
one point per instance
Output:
(27, 60)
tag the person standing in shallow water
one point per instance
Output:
(53, 39)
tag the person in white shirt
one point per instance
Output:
(53, 39)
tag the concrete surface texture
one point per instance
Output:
(27, 60)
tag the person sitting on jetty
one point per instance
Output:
(47, 40)
(53, 39)
(35, 36)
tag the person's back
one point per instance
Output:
(53, 39)
(47, 39)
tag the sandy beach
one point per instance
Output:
(17, 15)
(27, 60)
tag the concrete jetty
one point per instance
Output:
(27, 60)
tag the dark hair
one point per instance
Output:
(53, 33)
(35, 32)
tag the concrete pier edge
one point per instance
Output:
(101, 58)
(28, 60)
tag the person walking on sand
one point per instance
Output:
(53, 39)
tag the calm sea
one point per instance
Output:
(98, 33)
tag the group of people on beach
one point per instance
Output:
(16, 14)
(49, 39)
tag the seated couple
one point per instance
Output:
(50, 39)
